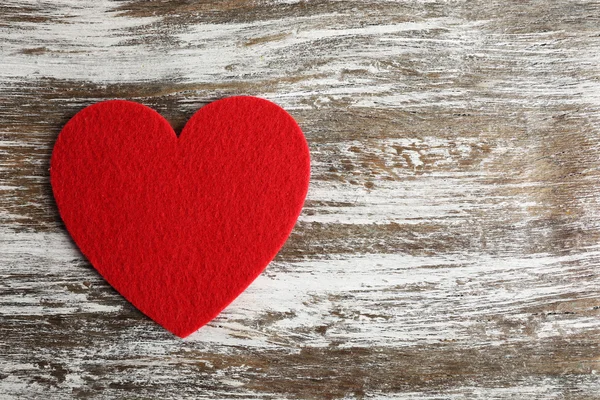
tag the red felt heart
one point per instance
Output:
(180, 226)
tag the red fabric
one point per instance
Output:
(180, 226)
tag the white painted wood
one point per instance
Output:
(448, 248)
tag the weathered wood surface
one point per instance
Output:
(449, 244)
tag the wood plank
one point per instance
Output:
(449, 243)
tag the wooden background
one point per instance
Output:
(449, 247)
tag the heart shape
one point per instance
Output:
(180, 226)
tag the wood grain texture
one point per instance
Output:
(449, 244)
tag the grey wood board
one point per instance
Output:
(449, 244)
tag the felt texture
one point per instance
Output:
(180, 226)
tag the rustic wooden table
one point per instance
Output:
(449, 244)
